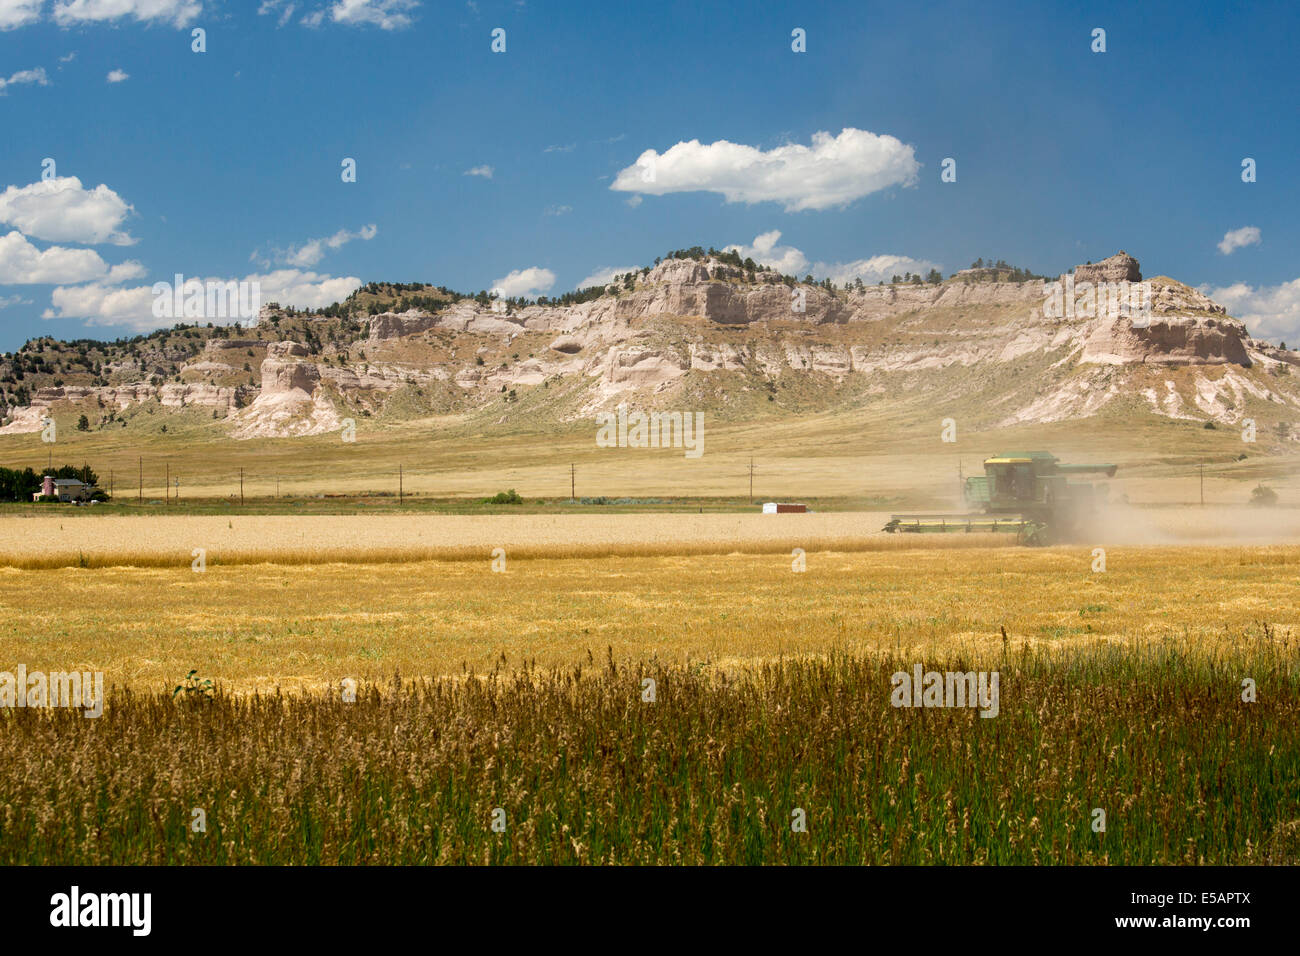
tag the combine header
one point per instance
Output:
(1027, 494)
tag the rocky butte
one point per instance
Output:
(699, 333)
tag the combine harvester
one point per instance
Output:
(1027, 494)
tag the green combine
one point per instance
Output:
(1027, 494)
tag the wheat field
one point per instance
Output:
(309, 626)
(80, 539)
(517, 688)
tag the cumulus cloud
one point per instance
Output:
(785, 259)
(179, 13)
(385, 14)
(603, 276)
(790, 261)
(118, 76)
(21, 263)
(304, 290)
(873, 270)
(36, 76)
(524, 282)
(60, 210)
(1270, 312)
(1238, 239)
(7, 300)
(126, 271)
(100, 303)
(17, 13)
(833, 171)
(313, 250)
(484, 171)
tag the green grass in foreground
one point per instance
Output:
(586, 772)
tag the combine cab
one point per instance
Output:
(1027, 494)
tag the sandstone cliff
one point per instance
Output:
(704, 332)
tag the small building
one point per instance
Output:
(784, 508)
(64, 489)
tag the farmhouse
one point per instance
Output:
(784, 507)
(64, 489)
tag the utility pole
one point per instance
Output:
(178, 489)
(573, 481)
(241, 486)
(140, 494)
(277, 486)
(399, 484)
(167, 482)
(110, 484)
(1202, 484)
(751, 480)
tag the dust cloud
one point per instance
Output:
(1121, 524)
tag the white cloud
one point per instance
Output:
(179, 13)
(60, 210)
(484, 171)
(313, 250)
(560, 149)
(603, 276)
(557, 210)
(1238, 239)
(285, 10)
(1270, 312)
(17, 13)
(69, 58)
(833, 171)
(101, 304)
(524, 282)
(784, 259)
(7, 301)
(118, 76)
(36, 76)
(304, 290)
(385, 14)
(21, 263)
(790, 261)
(132, 308)
(873, 270)
(125, 271)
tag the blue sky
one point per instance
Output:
(226, 164)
